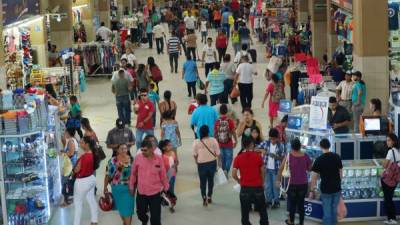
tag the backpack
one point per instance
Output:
(223, 134)
(391, 175)
(156, 74)
(278, 94)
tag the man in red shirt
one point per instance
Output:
(144, 110)
(250, 165)
(224, 131)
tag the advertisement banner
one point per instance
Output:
(319, 113)
(16, 10)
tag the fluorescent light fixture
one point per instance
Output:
(79, 6)
(23, 23)
(58, 18)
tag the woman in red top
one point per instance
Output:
(275, 86)
(85, 182)
(221, 43)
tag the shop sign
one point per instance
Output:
(319, 113)
(346, 4)
(16, 10)
(295, 122)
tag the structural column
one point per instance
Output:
(2, 58)
(331, 34)
(61, 33)
(317, 9)
(371, 46)
(103, 10)
(302, 11)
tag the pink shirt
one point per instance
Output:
(149, 174)
(200, 151)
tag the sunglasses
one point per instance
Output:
(143, 95)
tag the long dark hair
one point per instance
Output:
(204, 131)
(151, 61)
(140, 69)
(85, 123)
(395, 140)
(93, 147)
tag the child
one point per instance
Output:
(67, 182)
(155, 99)
(235, 41)
(203, 30)
(170, 131)
(74, 118)
(171, 164)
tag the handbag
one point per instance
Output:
(200, 84)
(100, 152)
(235, 92)
(391, 175)
(220, 178)
(285, 180)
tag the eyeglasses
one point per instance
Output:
(143, 95)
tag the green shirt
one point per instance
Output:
(358, 86)
(75, 109)
(121, 86)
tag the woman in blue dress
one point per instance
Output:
(170, 130)
(118, 172)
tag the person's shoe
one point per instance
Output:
(288, 223)
(189, 96)
(269, 204)
(390, 221)
(209, 200)
(205, 204)
(172, 70)
(275, 206)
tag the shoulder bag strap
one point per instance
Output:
(394, 156)
(209, 150)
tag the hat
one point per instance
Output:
(357, 74)
(349, 72)
(119, 123)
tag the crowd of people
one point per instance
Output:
(142, 179)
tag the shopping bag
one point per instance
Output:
(200, 84)
(235, 92)
(274, 64)
(220, 177)
(341, 209)
(236, 188)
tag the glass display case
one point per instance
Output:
(25, 186)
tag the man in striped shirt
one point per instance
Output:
(174, 49)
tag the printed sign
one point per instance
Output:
(294, 122)
(16, 10)
(319, 112)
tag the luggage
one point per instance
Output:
(253, 55)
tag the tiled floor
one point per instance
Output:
(99, 106)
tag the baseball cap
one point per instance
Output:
(120, 123)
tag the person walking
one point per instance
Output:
(203, 30)
(235, 41)
(149, 177)
(171, 163)
(225, 133)
(206, 153)
(244, 35)
(85, 182)
(215, 85)
(142, 77)
(225, 22)
(159, 35)
(149, 33)
(191, 44)
(221, 43)
(229, 69)
(275, 91)
(88, 130)
(250, 166)
(174, 49)
(155, 72)
(358, 99)
(328, 167)
(144, 110)
(247, 124)
(299, 164)
(170, 131)
(244, 79)
(203, 115)
(118, 172)
(393, 156)
(168, 105)
(273, 154)
(190, 74)
(119, 135)
(121, 88)
(209, 56)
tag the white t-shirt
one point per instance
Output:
(389, 155)
(104, 33)
(246, 71)
(140, 17)
(271, 161)
(209, 57)
(203, 26)
(257, 22)
(115, 76)
(346, 89)
(158, 31)
(190, 22)
(239, 55)
(130, 57)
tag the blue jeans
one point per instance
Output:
(140, 134)
(226, 158)
(329, 206)
(270, 190)
(227, 29)
(124, 108)
(172, 185)
(206, 174)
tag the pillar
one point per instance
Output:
(331, 34)
(61, 33)
(103, 11)
(371, 46)
(317, 9)
(87, 17)
(2, 58)
(302, 11)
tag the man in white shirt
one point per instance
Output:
(244, 79)
(104, 32)
(240, 54)
(159, 34)
(209, 56)
(344, 91)
(121, 66)
(190, 22)
(130, 57)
